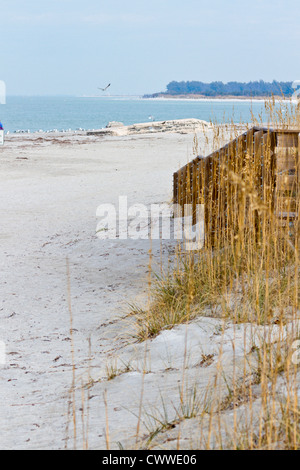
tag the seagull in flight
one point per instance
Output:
(104, 89)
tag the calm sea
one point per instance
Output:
(63, 113)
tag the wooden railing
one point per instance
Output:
(258, 171)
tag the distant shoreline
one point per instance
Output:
(217, 97)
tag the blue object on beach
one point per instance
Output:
(1, 127)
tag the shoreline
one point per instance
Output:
(47, 136)
(161, 107)
(216, 98)
(143, 130)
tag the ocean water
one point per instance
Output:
(63, 113)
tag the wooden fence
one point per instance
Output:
(256, 173)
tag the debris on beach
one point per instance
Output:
(182, 126)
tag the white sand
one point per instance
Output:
(49, 193)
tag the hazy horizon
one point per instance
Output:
(110, 95)
(69, 48)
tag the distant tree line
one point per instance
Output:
(256, 88)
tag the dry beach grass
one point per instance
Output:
(246, 279)
(206, 360)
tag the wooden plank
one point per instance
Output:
(208, 210)
(258, 162)
(175, 188)
(286, 182)
(287, 139)
(223, 194)
(194, 190)
(286, 164)
(269, 168)
(287, 156)
(189, 183)
(201, 181)
(250, 143)
(287, 215)
(184, 183)
(180, 190)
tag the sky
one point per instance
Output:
(73, 46)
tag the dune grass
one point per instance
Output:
(245, 278)
(249, 277)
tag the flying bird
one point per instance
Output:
(104, 89)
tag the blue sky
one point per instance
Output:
(72, 46)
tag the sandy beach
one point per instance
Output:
(51, 187)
